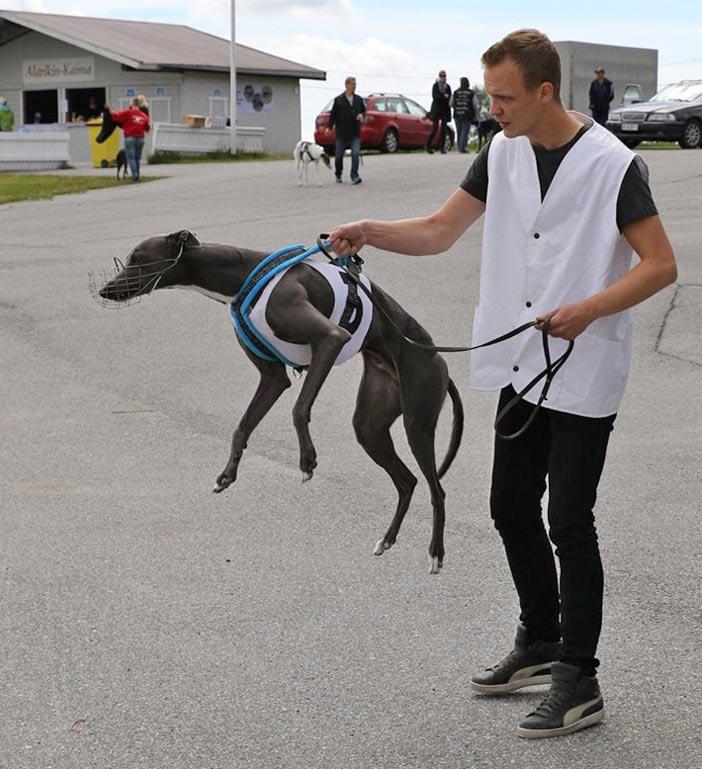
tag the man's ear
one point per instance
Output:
(181, 239)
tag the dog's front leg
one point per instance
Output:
(274, 381)
(326, 340)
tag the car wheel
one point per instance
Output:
(631, 143)
(692, 135)
(390, 142)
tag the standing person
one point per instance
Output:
(7, 116)
(143, 103)
(601, 94)
(440, 111)
(347, 115)
(135, 124)
(564, 256)
(463, 112)
(94, 110)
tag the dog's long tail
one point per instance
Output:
(456, 431)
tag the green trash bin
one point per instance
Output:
(105, 154)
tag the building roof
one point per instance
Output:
(146, 45)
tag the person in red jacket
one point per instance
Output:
(135, 124)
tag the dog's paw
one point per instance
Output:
(435, 564)
(306, 476)
(224, 481)
(381, 546)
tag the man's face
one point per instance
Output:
(600, 75)
(351, 86)
(516, 109)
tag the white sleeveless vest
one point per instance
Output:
(539, 256)
(301, 354)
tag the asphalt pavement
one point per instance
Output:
(147, 623)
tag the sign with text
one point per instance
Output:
(76, 70)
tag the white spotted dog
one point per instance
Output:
(306, 153)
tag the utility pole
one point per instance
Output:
(232, 81)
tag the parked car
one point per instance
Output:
(673, 114)
(632, 94)
(392, 122)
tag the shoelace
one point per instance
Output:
(553, 702)
(507, 660)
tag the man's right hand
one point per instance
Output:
(348, 238)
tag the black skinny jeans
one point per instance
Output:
(570, 450)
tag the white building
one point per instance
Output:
(51, 66)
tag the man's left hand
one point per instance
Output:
(568, 321)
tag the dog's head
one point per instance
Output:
(154, 263)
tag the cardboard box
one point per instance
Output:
(194, 121)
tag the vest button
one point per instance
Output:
(536, 235)
(528, 304)
(515, 368)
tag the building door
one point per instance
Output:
(41, 106)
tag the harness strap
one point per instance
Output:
(254, 284)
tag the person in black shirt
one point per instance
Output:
(560, 610)
(440, 111)
(463, 112)
(601, 95)
(346, 116)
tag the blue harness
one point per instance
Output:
(251, 288)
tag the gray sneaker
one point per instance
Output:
(574, 702)
(528, 664)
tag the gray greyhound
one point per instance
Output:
(397, 379)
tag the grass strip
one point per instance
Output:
(17, 187)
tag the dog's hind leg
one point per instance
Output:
(274, 381)
(423, 392)
(377, 407)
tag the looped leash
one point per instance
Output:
(351, 263)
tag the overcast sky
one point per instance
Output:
(399, 45)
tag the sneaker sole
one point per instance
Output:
(510, 687)
(583, 723)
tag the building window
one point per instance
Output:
(219, 106)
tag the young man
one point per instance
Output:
(346, 115)
(566, 205)
(601, 95)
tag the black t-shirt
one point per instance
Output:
(635, 200)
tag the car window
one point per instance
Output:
(396, 105)
(381, 105)
(414, 108)
(680, 92)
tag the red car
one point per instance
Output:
(392, 122)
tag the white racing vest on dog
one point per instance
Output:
(356, 319)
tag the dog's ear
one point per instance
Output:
(181, 239)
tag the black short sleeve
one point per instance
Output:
(475, 182)
(635, 200)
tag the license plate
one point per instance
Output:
(630, 126)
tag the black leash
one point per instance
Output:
(352, 266)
